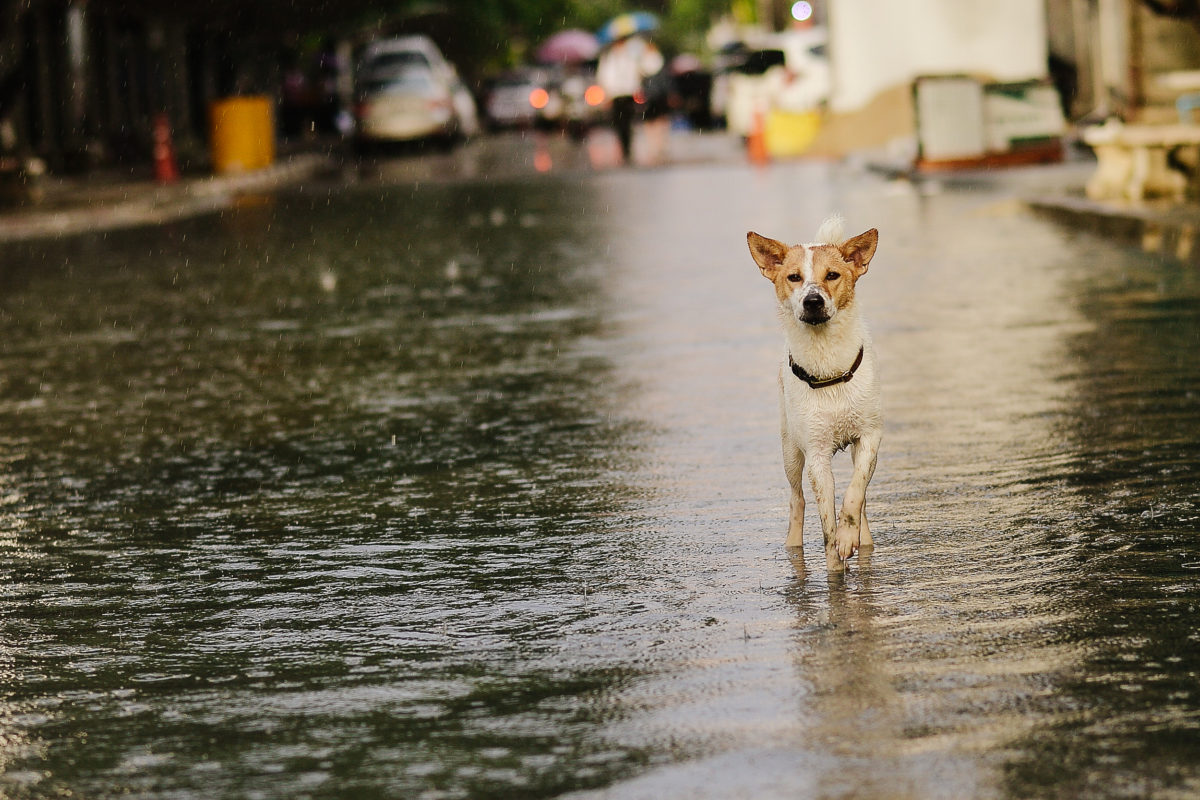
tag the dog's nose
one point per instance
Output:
(813, 302)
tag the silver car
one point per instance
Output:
(407, 91)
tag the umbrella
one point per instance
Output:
(627, 24)
(568, 47)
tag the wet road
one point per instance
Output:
(473, 489)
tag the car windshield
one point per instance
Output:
(513, 80)
(402, 81)
(385, 65)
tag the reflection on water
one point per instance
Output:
(473, 489)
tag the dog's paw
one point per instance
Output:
(845, 542)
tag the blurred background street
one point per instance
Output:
(346, 457)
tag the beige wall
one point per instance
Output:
(878, 44)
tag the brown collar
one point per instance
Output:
(817, 383)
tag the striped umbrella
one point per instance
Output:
(627, 24)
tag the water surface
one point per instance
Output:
(472, 489)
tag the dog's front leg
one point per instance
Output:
(852, 527)
(793, 465)
(820, 473)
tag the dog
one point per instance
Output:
(828, 385)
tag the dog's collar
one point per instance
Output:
(817, 383)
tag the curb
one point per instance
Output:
(1170, 231)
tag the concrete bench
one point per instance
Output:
(1134, 161)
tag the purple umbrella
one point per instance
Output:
(568, 47)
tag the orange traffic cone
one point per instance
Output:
(165, 168)
(756, 142)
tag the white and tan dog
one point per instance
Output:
(828, 387)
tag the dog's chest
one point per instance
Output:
(828, 418)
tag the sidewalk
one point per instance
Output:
(1056, 191)
(1160, 227)
(104, 201)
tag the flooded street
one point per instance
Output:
(448, 489)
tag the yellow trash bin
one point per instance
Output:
(241, 134)
(791, 133)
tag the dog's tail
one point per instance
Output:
(832, 230)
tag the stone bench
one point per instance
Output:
(1134, 161)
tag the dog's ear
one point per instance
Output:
(768, 253)
(860, 250)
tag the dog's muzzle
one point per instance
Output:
(813, 308)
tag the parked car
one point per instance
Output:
(553, 96)
(691, 91)
(513, 98)
(582, 98)
(407, 90)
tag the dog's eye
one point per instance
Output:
(833, 276)
(795, 278)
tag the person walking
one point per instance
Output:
(620, 72)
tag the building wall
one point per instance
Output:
(82, 82)
(880, 44)
(1120, 54)
(1167, 45)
